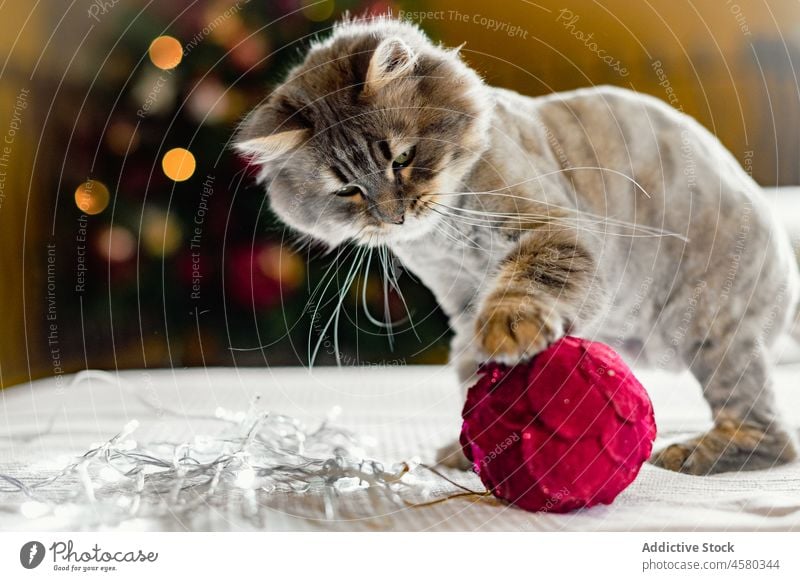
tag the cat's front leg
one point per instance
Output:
(547, 286)
(464, 362)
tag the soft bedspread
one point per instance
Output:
(406, 412)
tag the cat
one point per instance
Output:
(599, 212)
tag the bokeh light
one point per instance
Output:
(116, 244)
(318, 11)
(92, 197)
(209, 101)
(161, 232)
(279, 263)
(165, 52)
(226, 30)
(178, 164)
(122, 137)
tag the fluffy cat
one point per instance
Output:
(600, 212)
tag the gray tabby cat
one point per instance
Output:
(600, 213)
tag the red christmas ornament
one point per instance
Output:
(569, 429)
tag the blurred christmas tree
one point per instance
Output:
(176, 258)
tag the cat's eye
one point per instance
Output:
(348, 191)
(404, 158)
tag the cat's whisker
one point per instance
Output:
(300, 243)
(561, 208)
(396, 285)
(516, 215)
(508, 224)
(331, 275)
(443, 224)
(385, 272)
(329, 272)
(364, 304)
(510, 221)
(345, 289)
(334, 320)
(486, 217)
(567, 169)
(442, 229)
(390, 325)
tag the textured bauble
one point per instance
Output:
(569, 429)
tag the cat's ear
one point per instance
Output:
(267, 148)
(270, 131)
(392, 60)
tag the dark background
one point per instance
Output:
(197, 272)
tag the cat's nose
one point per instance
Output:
(390, 211)
(392, 218)
(393, 215)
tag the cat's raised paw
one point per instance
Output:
(513, 331)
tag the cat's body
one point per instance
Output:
(686, 185)
(599, 212)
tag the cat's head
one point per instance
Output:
(362, 136)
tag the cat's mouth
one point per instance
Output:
(415, 224)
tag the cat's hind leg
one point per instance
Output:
(747, 432)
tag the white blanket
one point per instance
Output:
(409, 412)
